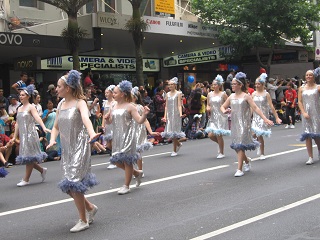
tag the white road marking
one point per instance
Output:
(256, 218)
(152, 155)
(111, 190)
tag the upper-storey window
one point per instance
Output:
(28, 3)
(109, 6)
(145, 8)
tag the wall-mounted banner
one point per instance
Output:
(201, 56)
(157, 25)
(100, 64)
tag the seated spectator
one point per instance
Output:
(14, 104)
(5, 150)
(196, 131)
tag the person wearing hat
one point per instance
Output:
(30, 153)
(196, 131)
(14, 104)
(52, 95)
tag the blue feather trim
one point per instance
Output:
(173, 134)
(218, 132)
(30, 159)
(3, 172)
(245, 147)
(304, 136)
(124, 158)
(144, 147)
(108, 137)
(261, 132)
(82, 186)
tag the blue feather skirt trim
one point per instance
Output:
(30, 159)
(144, 147)
(304, 136)
(245, 147)
(3, 172)
(218, 132)
(82, 186)
(173, 134)
(129, 159)
(262, 133)
(108, 137)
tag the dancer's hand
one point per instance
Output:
(278, 121)
(46, 130)
(94, 137)
(269, 122)
(306, 115)
(146, 110)
(227, 111)
(51, 144)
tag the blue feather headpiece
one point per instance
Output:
(240, 75)
(262, 78)
(29, 90)
(135, 92)
(316, 72)
(174, 80)
(73, 79)
(125, 86)
(219, 79)
(111, 87)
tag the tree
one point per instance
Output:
(72, 34)
(252, 24)
(137, 26)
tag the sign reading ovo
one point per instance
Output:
(10, 39)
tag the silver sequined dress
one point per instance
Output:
(29, 148)
(259, 127)
(123, 140)
(107, 128)
(173, 124)
(141, 133)
(218, 122)
(76, 152)
(241, 125)
(311, 104)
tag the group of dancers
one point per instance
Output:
(125, 121)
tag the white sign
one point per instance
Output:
(157, 25)
(205, 55)
(101, 64)
(10, 39)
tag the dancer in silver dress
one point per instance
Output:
(172, 116)
(30, 153)
(309, 104)
(240, 103)
(76, 132)
(124, 141)
(217, 125)
(264, 102)
(141, 129)
(107, 136)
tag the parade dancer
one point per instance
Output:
(107, 105)
(172, 116)
(30, 153)
(124, 141)
(240, 103)
(264, 102)
(309, 104)
(141, 134)
(217, 125)
(76, 132)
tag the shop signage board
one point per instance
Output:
(157, 25)
(164, 7)
(201, 56)
(100, 64)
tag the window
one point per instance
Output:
(28, 3)
(109, 6)
(89, 7)
(145, 8)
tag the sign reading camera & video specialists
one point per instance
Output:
(100, 64)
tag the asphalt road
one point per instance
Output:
(191, 196)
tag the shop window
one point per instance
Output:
(109, 6)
